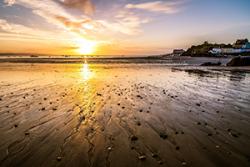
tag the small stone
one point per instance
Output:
(198, 123)
(160, 162)
(198, 104)
(234, 135)
(183, 163)
(141, 110)
(177, 148)
(154, 155)
(43, 109)
(59, 158)
(27, 133)
(217, 146)
(15, 125)
(134, 138)
(142, 157)
(209, 134)
(109, 148)
(163, 136)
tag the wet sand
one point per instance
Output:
(123, 115)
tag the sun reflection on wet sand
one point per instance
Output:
(86, 73)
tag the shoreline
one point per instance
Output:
(156, 60)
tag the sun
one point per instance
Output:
(86, 46)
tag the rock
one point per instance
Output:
(163, 136)
(98, 94)
(160, 162)
(59, 158)
(239, 61)
(211, 64)
(154, 155)
(183, 163)
(134, 138)
(142, 157)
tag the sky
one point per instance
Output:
(119, 27)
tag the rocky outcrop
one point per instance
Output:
(239, 61)
(211, 64)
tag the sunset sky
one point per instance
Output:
(118, 27)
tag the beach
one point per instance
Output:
(123, 114)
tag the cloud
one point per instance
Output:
(18, 30)
(72, 25)
(157, 6)
(85, 5)
(9, 2)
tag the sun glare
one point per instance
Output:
(86, 72)
(86, 46)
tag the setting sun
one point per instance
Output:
(86, 46)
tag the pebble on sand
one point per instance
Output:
(142, 157)
(184, 163)
(198, 104)
(59, 158)
(134, 138)
(163, 136)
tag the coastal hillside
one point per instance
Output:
(240, 47)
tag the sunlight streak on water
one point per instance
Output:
(86, 73)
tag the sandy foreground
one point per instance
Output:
(123, 115)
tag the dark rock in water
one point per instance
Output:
(239, 61)
(196, 71)
(211, 64)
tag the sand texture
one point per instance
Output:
(123, 115)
